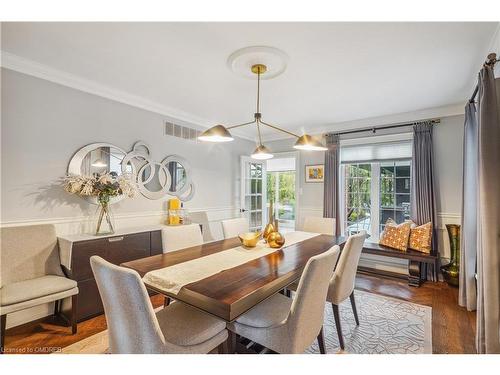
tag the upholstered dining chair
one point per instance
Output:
(291, 326)
(31, 273)
(344, 277)
(180, 236)
(233, 227)
(133, 325)
(323, 225)
(201, 217)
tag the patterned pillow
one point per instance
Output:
(421, 238)
(395, 236)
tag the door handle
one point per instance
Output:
(243, 210)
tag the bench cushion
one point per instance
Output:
(34, 288)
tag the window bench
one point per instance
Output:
(416, 262)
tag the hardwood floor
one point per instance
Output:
(453, 327)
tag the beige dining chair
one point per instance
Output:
(322, 225)
(343, 279)
(233, 227)
(178, 237)
(134, 327)
(31, 273)
(291, 326)
(201, 217)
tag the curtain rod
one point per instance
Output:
(491, 59)
(374, 129)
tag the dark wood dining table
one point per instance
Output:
(232, 292)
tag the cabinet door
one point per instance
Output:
(130, 247)
(89, 300)
(116, 250)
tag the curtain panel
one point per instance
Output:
(468, 242)
(488, 214)
(423, 201)
(331, 199)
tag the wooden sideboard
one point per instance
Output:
(75, 253)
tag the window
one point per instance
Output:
(375, 186)
(394, 192)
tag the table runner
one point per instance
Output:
(171, 279)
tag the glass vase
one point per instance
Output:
(103, 219)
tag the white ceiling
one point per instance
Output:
(337, 72)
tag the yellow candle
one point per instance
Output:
(174, 204)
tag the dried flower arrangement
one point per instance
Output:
(103, 187)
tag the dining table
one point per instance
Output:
(230, 290)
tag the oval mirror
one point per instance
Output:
(98, 158)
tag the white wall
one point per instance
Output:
(44, 124)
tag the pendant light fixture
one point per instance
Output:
(220, 133)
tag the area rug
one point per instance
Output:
(387, 326)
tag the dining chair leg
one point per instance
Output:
(222, 348)
(56, 308)
(166, 301)
(354, 310)
(3, 323)
(74, 301)
(336, 315)
(321, 342)
(231, 342)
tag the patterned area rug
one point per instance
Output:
(387, 326)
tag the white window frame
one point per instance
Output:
(375, 179)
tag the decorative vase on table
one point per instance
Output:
(103, 218)
(101, 189)
(271, 225)
(451, 270)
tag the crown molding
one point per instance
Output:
(419, 115)
(38, 70)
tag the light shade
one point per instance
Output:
(217, 133)
(306, 142)
(262, 153)
(99, 163)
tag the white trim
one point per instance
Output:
(35, 69)
(79, 219)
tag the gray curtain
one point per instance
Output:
(468, 243)
(423, 201)
(488, 242)
(331, 205)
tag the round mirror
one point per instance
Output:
(178, 175)
(98, 158)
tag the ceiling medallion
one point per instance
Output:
(220, 133)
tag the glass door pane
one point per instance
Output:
(253, 191)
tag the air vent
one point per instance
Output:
(180, 131)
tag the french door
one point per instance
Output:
(253, 192)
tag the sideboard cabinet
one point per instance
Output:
(75, 252)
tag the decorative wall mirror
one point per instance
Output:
(155, 180)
